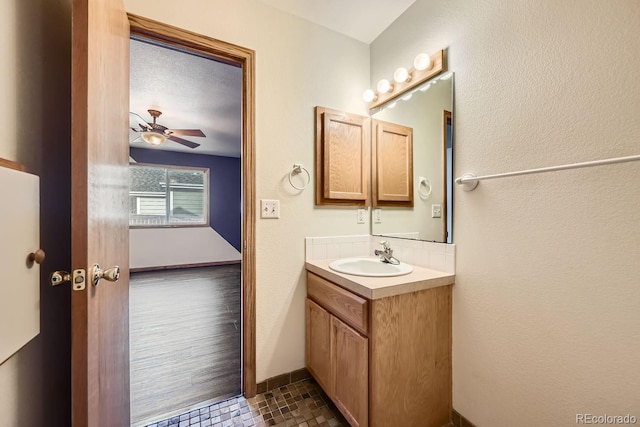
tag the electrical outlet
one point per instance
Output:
(377, 216)
(436, 211)
(269, 208)
(361, 215)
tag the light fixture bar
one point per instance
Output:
(417, 77)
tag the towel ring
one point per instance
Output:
(422, 181)
(298, 168)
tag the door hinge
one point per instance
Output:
(78, 278)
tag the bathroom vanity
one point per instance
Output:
(380, 347)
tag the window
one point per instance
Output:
(168, 196)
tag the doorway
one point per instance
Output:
(242, 59)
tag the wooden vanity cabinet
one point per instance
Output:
(337, 356)
(383, 362)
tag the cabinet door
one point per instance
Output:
(393, 164)
(350, 373)
(318, 344)
(342, 158)
(20, 234)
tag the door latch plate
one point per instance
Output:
(79, 279)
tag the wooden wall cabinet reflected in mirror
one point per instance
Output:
(392, 154)
(342, 158)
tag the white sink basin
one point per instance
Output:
(370, 267)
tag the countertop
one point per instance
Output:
(381, 287)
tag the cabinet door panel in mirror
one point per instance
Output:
(427, 111)
(393, 166)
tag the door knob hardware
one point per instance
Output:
(37, 257)
(111, 274)
(78, 278)
(59, 277)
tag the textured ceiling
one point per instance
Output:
(362, 20)
(198, 93)
(192, 92)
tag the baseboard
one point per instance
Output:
(172, 267)
(283, 380)
(460, 421)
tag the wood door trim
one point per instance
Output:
(10, 164)
(446, 119)
(244, 58)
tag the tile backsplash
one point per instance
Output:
(436, 256)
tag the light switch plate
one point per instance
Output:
(269, 208)
(377, 216)
(436, 211)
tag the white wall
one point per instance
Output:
(158, 247)
(547, 297)
(299, 65)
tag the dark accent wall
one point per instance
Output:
(225, 187)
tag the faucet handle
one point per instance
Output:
(385, 245)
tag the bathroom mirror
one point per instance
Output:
(428, 111)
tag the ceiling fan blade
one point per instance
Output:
(136, 122)
(186, 132)
(184, 142)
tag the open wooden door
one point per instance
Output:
(100, 233)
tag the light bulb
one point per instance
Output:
(401, 75)
(153, 138)
(422, 62)
(384, 86)
(369, 95)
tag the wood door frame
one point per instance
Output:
(446, 120)
(245, 58)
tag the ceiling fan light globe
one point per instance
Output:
(153, 138)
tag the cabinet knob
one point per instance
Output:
(37, 257)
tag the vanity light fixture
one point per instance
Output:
(369, 95)
(422, 62)
(424, 68)
(401, 75)
(384, 86)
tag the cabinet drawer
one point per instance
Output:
(347, 306)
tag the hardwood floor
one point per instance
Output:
(185, 339)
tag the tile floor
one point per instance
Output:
(302, 404)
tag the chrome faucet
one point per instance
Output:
(386, 254)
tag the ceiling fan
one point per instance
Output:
(156, 134)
